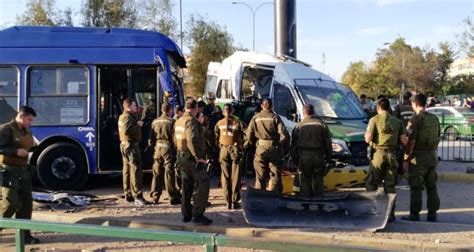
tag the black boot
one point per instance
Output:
(30, 239)
(411, 217)
(432, 217)
(202, 220)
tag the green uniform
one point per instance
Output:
(424, 128)
(267, 131)
(161, 137)
(16, 187)
(386, 131)
(130, 136)
(228, 132)
(188, 137)
(310, 147)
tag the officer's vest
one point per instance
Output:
(21, 140)
(311, 134)
(180, 132)
(406, 113)
(387, 131)
(228, 131)
(161, 126)
(428, 135)
(135, 135)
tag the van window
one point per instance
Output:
(224, 90)
(283, 102)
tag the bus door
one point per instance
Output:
(116, 83)
(8, 93)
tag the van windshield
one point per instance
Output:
(330, 99)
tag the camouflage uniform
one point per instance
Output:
(189, 142)
(229, 133)
(161, 137)
(16, 186)
(130, 136)
(424, 129)
(310, 148)
(268, 132)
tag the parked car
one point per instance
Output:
(455, 122)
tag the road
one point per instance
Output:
(454, 230)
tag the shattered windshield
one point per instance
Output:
(330, 99)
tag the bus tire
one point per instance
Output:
(62, 166)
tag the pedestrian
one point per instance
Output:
(161, 138)
(130, 134)
(403, 112)
(420, 159)
(16, 141)
(311, 150)
(178, 112)
(229, 135)
(267, 131)
(385, 133)
(191, 160)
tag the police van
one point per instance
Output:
(245, 78)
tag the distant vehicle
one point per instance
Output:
(455, 122)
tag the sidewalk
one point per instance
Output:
(455, 171)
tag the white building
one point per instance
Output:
(462, 67)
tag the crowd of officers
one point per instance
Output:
(184, 145)
(182, 148)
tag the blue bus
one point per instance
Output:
(76, 79)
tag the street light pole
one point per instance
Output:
(253, 18)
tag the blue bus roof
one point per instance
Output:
(84, 37)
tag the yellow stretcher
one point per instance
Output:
(336, 178)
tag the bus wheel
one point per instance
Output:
(62, 166)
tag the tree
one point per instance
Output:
(466, 38)
(445, 59)
(38, 12)
(354, 76)
(108, 13)
(157, 15)
(65, 17)
(208, 42)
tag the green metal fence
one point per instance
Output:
(209, 241)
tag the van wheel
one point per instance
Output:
(451, 134)
(62, 166)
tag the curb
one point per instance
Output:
(455, 177)
(323, 237)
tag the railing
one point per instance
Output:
(457, 137)
(210, 241)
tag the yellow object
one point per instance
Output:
(336, 178)
(288, 180)
(344, 177)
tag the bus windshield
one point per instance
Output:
(330, 99)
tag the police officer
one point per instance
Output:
(15, 142)
(420, 159)
(161, 137)
(384, 132)
(404, 112)
(191, 161)
(130, 136)
(229, 134)
(310, 148)
(268, 132)
(178, 112)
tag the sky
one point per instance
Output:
(330, 33)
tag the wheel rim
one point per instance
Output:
(63, 167)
